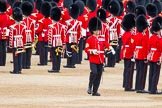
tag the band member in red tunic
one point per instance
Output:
(4, 32)
(73, 34)
(17, 32)
(42, 31)
(154, 49)
(56, 35)
(127, 50)
(113, 21)
(95, 49)
(27, 9)
(141, 52)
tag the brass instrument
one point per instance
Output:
(19, 50)
(58, 50)
(35, 43)
(75, 48)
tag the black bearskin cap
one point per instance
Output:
(53, 4)
(121, 7)
(81, 6)
(114, 7)
(130, 7)
(151, 9)
(3, 5)
(31, 1)
(16, 4)
(94, 24)
(67, 3)
(156, 26)
(27, 8)
(140, 2)
(101, 14)
(141, 23)
(92, 4)
(105, 3)
(17, 14)
(158, 5)
(45, 9)
(128, 22)
(55, 13)
(74, 11)
(140, 10)
(38, 4)
(85, 2)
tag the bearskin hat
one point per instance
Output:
(45, 9)
(130, 6)
(17, 14)
(67, 3)
(157, 20)
(27, 8)
(74, 11)
(114, 7)
(158, 5)
(141, 23)
(81, 6)
(94, 24)
(3, 5)
(155, 27)
(128, 22)
(105, 3)
(101, 14)
(38, 4)
(85, 2)
(92, 4)
(121, 7)
(140, 10)
(31, 1)
(53, 4)
(16, 4)
(55, 13)
(151, 9)
(140, 2)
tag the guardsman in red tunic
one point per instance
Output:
(154, 49)
(27, 9)
(95, 49)
(42, 32)
(141, 52)
(65, 14)
(113, 21)
(82, 12)
(56, 35)
(17, 32)
(91, 6)
(152, 13)
(37, 16)
(73, 34)
(101, 14)
(4, 32)
(127, 50)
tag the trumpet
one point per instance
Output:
(58, 50)
(75, 48)
(19, 50)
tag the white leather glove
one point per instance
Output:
(112, 50)
(132, 60)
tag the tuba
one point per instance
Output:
(75, 48)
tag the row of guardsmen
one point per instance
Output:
(61, 25)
